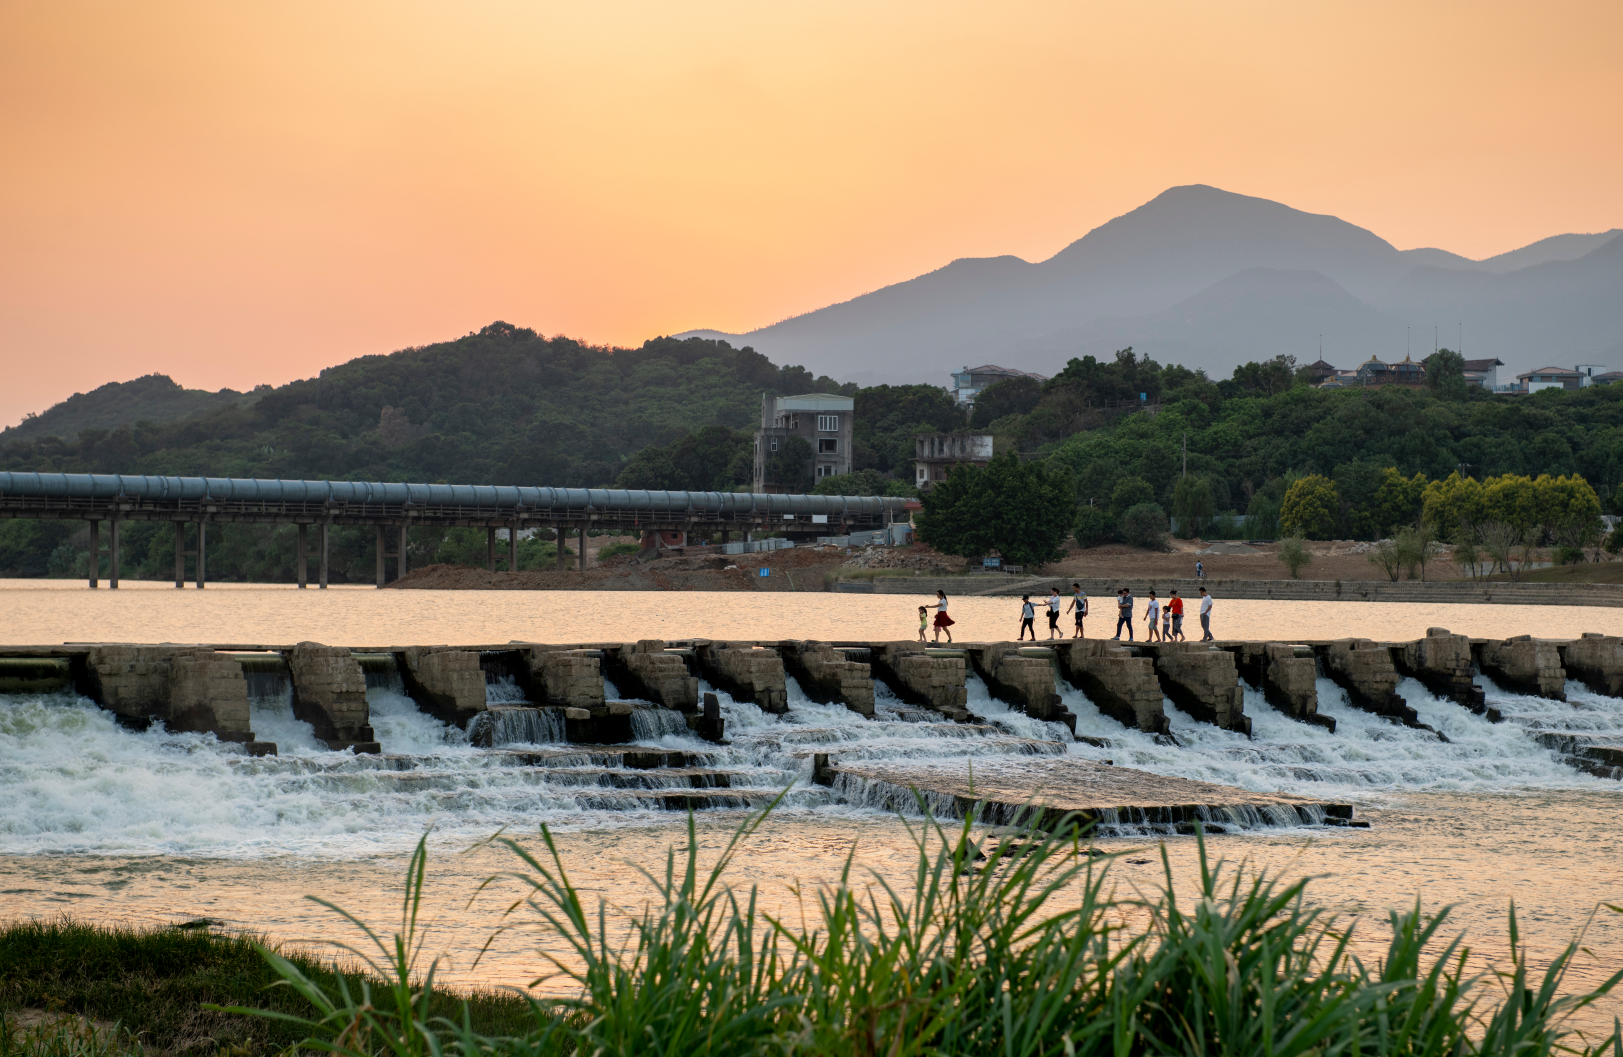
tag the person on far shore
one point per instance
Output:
(1079, 603)
(1053, 614)
(1124, 613)
(1028, 613)
(924, 621)
(1205, 616)
(1200, 570)
(1152, 617)
(942, 621)
(1175, 615)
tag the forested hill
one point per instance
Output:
(150, 398)
(505, 405)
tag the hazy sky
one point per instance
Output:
(246, 192)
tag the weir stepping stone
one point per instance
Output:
(829, 676)
(1525, 664)
(645, 670)
(1122, 685)
(1598, 754)
(1040, 792)
(1596, 661)
(1288, 676)
(921, 675)
(745, 672)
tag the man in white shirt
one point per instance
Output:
(1205, 616)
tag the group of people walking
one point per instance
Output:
(1163, 621)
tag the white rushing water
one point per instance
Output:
(73, 780)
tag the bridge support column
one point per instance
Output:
(202, 553)
(380, 555)
(180, 555)
(304, 568)
(512, 547)
(559, 546)
(95, 555)
(112, 554)
(325, 530)
(400, 556)
(582, 547)
(490, 547)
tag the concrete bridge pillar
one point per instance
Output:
(304, 569)
(381, 548)
(512, 547)
(490, 547)
(95, 554)
(326, 531)
(180, 555)
(112, 552)
(202, 552)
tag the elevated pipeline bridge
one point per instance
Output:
(395, 508)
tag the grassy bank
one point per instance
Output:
(1009, 945)
(156, 985)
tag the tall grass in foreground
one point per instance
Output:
(1019, 952)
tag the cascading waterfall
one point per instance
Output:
(72, 779)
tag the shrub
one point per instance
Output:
(1145, 525)
(1295, 556)
(1092, 526)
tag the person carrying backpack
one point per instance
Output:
(1028, 613)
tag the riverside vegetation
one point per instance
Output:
(1008, 945)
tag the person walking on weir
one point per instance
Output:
(942, 621)
(1053, 614)
(1124, 613)
(1028, 613)
(1079, 604)
(1175, 614)
(924, 621)
(1152, 616)
(1205, 616)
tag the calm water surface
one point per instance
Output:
(107, 824)
(42, 611)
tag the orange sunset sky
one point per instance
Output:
(243, 192)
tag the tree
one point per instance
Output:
(863, 482)
(1398, 500)
(1294, 554)
(1414, 547)
(1310, 508)
(1192, 505)
(1093, 525)
(1385, 554)
(1499, 540)
(1266, 378)
(1145, 525)
(1445, 374)
(1356, 483)
(1023, 510)
(1453, 506)
(1465, 552)
(1129, 492)
(1011, 396)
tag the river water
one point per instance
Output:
(107, 824)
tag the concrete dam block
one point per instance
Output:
(643, 669)
(1025, 682)
(1595, 660)
(1204, 682)
(1123, 686)
(447, 684)
(1364, 668)
(747, 673)
(1288, 676)
(828, 676)
(185, 688)
(921, 676)
(329, 693)
(1532, 666)
(572, 678)
(1442, 661)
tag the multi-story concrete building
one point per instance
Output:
(968, 383)
(823, 420)
(935, 454)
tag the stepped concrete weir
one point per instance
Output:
(1532, 666)
(187, 688)
(920, 675)
(1364, 668)
(1122, 684)
(1442, 661)
(645, 669)
(447, 683)
(829, 676)
(1288, 675)
(563, 676)
(1596, 661)
(1021, 677)
(329, 693)
(747, 672)
(1203, 681)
